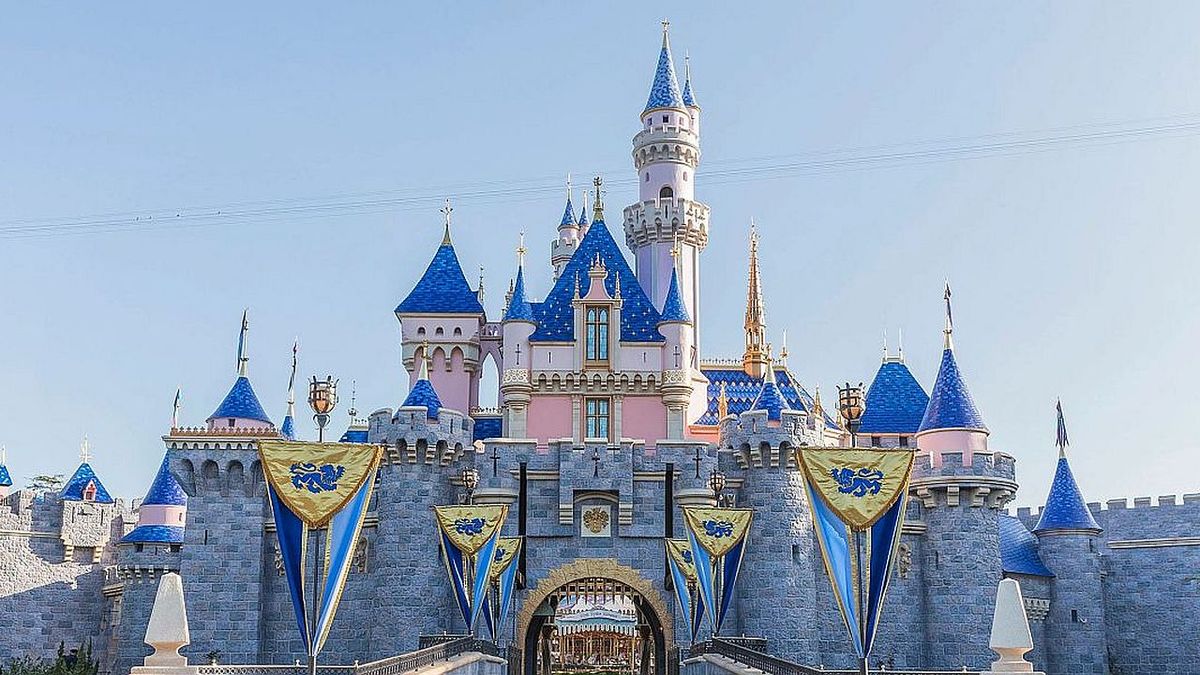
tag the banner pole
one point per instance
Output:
(316, 599)
(862, 618)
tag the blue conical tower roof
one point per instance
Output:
(443, 288)
(5, 479)
(664, 91)
(165, 490)
(241, 403)
(689, 98)
(288, 428)
(568, 219)
(769, 397)
(950, 403)
(896, 402)
(1065, 508)
(519, 308)
(78, 483)
(422, 392)
(673, 307)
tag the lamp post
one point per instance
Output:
(716, 483)
(852, 406)
(322, 398)
(470, 480)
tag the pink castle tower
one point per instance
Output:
(666, 153)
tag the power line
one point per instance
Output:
(534, 189)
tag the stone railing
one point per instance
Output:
(443, 651)
(295, 669)
(738, 650)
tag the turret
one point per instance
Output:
(961, 486)
(443, 311)
(162, 513)
(681, 372)
(1067, 542)
(519, 323)
(240, 408)
(895, 406)
(569, 234)
(666, 154)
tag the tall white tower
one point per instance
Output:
(666, 153)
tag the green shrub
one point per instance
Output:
(74, 662)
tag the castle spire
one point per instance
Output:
(664, 91)
(1065, 507)
(948, 342)
(689, 97)
(446, 211)
(242, 359)
(1061, 441)
(287, 428)
(568, 218)
(598, 206)
(583, 217)
(754, 359)
(174, 410)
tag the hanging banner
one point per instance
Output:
(858, 498)
(504, 578)
(717, 539)
(311, 485)
(469, 536)
(316, 480)
(683, 574)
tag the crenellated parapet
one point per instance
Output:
(664, 220)
(412, 437)
(758, 442)
(981, 479)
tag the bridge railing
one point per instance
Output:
(439, 648)
(743, 651)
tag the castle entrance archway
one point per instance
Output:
(594, 616)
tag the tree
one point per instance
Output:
(45, 483)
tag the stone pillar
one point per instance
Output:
(167, 631)
(1010, 638)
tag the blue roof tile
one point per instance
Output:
(519, 308)
(488, 427)
(73, 490)
(568, 218)
(1065, 508)
(896, 402)
(288, 428)
(689, 99)
(442, 289)
(556, 315)
(950, 404)
(5, 479)
(423, 394)
(154, 534)
(664, 91)
(741, 390)
(673, 307)
(1019, 549)
(241, 403)
(165, 490)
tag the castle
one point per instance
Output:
(610, 418)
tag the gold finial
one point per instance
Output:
(85, 450)
(521, 250)
(446, 211)
(754, 359)
(676, 252)
(722, 403)
(818, 409)
(783, 350)
(666, 25)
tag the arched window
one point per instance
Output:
(597, 334)
(439, 331)
(457, 331)
(89, 492)
(666, 192)
(421, 330)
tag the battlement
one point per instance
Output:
(954, 479)
(1188, 501)
(755, 439)
(412, 437)
(657, 220)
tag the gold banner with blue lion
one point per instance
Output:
(316, 480)
(470, 536)
(682, 567)
(717, 539)
(858, 498)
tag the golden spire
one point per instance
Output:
(722, 404)
(598, 205)
(754, 360)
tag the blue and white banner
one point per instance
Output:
(687, 591)
(470, 538)
(858, 498)
(717, 539)
(311, 485)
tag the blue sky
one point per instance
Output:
(1072, 262)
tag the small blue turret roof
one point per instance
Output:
(1065, 508)
(165, 490)
(689, 98)
(1019, 549)
(950, 403)
(154, 534)
(568, 219)
(288, 428)
(583, 219)
(556, 315)
(770, 398)
(423, 394)
(673, 307)
(519, 308)
(83, 476)
(241, 403)
(443, 288)
(664, 91)
(896, 402)
(355, 434)
(5, 479)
